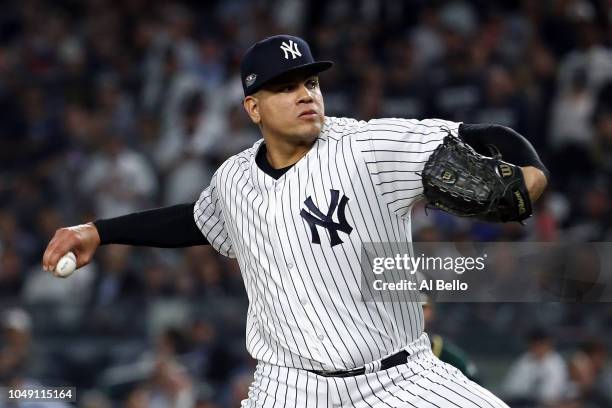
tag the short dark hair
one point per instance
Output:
(537, 334)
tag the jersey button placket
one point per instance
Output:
(302, 296)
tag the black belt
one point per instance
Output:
(398, 358)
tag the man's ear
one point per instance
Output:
(251, 106)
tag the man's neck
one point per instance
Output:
(282, 154)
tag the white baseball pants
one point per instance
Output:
(424, 381)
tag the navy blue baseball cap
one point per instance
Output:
(275, 56)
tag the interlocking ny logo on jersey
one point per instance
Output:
(291, 48)
(316, 218)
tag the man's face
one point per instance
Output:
(540, 348)
(290, 108)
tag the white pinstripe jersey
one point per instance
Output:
(305, 307)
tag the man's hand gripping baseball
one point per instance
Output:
(82, 239)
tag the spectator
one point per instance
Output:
(15, 351)
(119, 279)
(455, 79)
(590, 54)
(503, 103)
(586, 372)
(11, 273)
(404, 91)
(118, 180)
(183, 164)
(539, 376)
(236, 135)
(171, 386)
(571, 113)
(16, 336)
(140, 397)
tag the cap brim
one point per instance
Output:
(309, 69)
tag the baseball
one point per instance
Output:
(65, 266)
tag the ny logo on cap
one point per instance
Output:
(291, 48)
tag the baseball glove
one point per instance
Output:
(462, 182)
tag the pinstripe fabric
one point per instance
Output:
(303, 277)
(424, 381)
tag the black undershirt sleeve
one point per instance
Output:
(166, 227)
(513, 147)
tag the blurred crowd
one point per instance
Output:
(108, 107)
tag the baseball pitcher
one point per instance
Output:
(295, 209)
